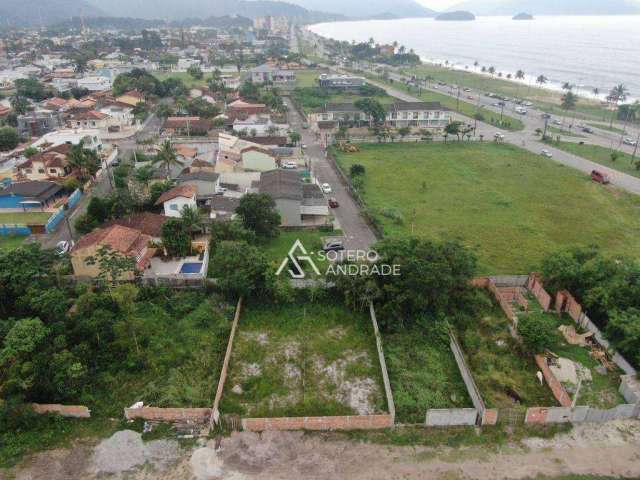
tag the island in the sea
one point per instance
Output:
(458, 15)
(523, 16)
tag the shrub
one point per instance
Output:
(537, 332)
(356, 170)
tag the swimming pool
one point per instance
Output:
(188, 267)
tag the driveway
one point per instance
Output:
(358, 234)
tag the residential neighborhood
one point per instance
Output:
(234, 248)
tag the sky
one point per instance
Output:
(438, 4)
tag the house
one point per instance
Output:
(341, 82)
(94, 83)
(260, 126)
(237, 155)
(131, 98)
(241, 109)
(121, 113)
(401, 114)
(50, 163)
(90, 137)
(88, 119)
(39, 121)
(145, 222)
(258, 159)
(206, 183)
(223, 207)
(187, 126)
(267, 73)
(30, 194)
(299, 203)
(177, 198)
(124, 240)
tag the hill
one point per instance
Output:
(523, 16)
(456, 16)
(369, 9)
(550, 7)
(43, 12)
(172, 10)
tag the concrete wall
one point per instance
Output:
(581, 414)
(467, 377)
(630, 388)
(289, 211)
(356, 422)
(71, 411)
(383, 364)
(447, 417)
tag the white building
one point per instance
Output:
(91, 138)
(174, 200)
(94, 83)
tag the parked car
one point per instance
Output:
(326, 188)
(333, 246)
(557, 122)
(467, 89)
(220, 190)
(499, 136)
(546, 153)
(64, 246)
(527, 104)
(599, 177)
(305, 125)
(521, 110)
(587, 129)
(290, 165)
(333, 203)
(470, 97)
(629, 141)
(546, 115)
(303, 146)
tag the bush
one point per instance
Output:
(537, 332)
(357, 169)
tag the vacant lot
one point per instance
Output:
(277, 248)
(504, 374)
(423, 375)
(10, 242)
(25, 218)
(304, 359)
(512, 207)
(601, 155)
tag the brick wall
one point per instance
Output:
(556, 387)
(168, 414)
(504, 304)
(566, 303)
(72, 411)
(534, 285)
(356, 422)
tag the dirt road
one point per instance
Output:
(611, 449)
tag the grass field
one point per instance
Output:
(464, 107)
(510, 206)
(548, 99)
(600, 155)
(564, 132)
(10, 242)
(304, 359)
(187, 79)
(24, 218)
(307, 78)
(607, 127)
(505, 375)
(423, 375)
(278, 248)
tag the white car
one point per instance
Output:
(220, 190)
(629, 141)
(303, 146)
(521, 110)
(326, 188)
(499, 136)
(546, 153)
(290, 165)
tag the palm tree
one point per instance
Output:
(569, 101)
(567, 86)
(85, 161)
(191, 219)
(596, 92)
(492, 70)
(616, 95)
(167, 157)
(541, 80)
(520, 75)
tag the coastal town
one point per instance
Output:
(242, 250)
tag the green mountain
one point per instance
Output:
(551, 7)
(369, 8)
(43, 12)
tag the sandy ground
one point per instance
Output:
(611, 449)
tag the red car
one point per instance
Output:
(599, 177)
(333, 203)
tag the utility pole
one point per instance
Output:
(546, 122)
(635, 149)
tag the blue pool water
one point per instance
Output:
(191, 268)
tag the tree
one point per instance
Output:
(20, 104)
(538, 332)
(373, 109)
(258, 213)
(9, 138)
(623, 330)
(519, 75)
(569, 101)
(125, 296)
(229, 231)
(357, 169)
(454, 128)
(176, 240)
(164, 110)
(31, 88)
(84, 160)
(167, 157)
(113, 266)
(249, 91)
(295, 137)
(191, 220)
(617, 95)
(541, 80)
(239, 268)
(404, 131)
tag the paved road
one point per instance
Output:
(357, 233)
(528, 140)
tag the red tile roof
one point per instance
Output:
(145, 222)
(187, 191)
(122, 239)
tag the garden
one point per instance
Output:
(510, 206)
(309, 358)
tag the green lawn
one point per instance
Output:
(278, 248)
(510, 206)
(188, 80)
(307, 78)
(423, 375)
(10, 242)
(548, 99)
(462, 106)
(24, 218)
(564, 132)
(504, 374)
(309, 358)
(607, 127)
(601, 155)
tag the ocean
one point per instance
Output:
(587, 51)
